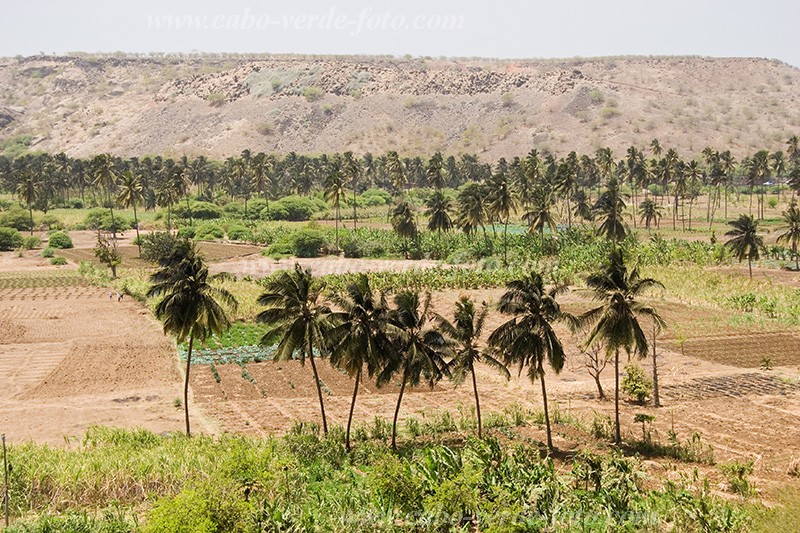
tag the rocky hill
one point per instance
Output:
(220, 105)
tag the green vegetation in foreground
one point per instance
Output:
(117, 480)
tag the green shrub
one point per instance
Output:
(187, 232)
(111, 521)
(294, 208)
(309, 242)
(16, 218)
(58, 260)
(737, 474)
(374, 197)
(240, 233)
(211, 509)
(48, 222)
(159, 245)
(209, 232)
(60, 240)
(636, 384)
(101, 219)
(10, 239)
(31, 242)
(48, 252)
(312, 94)
(199, 211)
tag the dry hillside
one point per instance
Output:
(219, 106)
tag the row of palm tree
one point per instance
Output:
(404, 341)
(534, 184)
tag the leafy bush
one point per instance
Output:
(48, 252)
(293, 208)
(101, 219)
(207, 509)
(636, 384)
(199, 211)
(10, 239)
(309, 242)
(737, 474)
(187, 232)
(58, 260)
(59, 239)
(16, 218)
(48, 222)
(159, 245)
(31, 242)
(240, 233)
(209, 232)
(374, 197)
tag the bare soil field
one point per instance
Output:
(70, 357)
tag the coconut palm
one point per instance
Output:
(744, 242)
(361, 338)
(191, 306)
(791, 235)
(297, 319)
(471, 209)
(649, 212)
(528, 339)
(616, 321)
(334, 192)
(465, 330)
(404, 225)
(130, 194)
(583, 209)
(502, 203)
(420, 350)
(610, 206)
(439, 208)
(540, 214)
(104, 172)
(28, 190)
(352, 169)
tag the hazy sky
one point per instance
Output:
(497, 28)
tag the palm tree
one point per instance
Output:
(792, 234)
(190, 307)
(420, 350)
(105, 175)
(744, 242)
(616, 320)
(649, 212)
(465, 330)
(502, 203)
(610, 206)
(296, 314)
(404, 224)
(334, 192)
(361, 338)
(130, 194)
(528, 338)
(439, 208)
(28, 190)
(471, 209)
(540, 216)
(351, 167)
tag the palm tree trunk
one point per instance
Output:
(186, 384)
(113, 224)
(617, 437)
(319, 387)
(30, 211)
(750, 267)
(352, 407)
(601, 394)
(546, 414)
(136, 223)
(397, 410)
(189, 210)
(656, 398)
(477, 403)
(338, 215)
(505, 242)
(355, 208)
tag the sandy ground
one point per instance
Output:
(71, 357)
